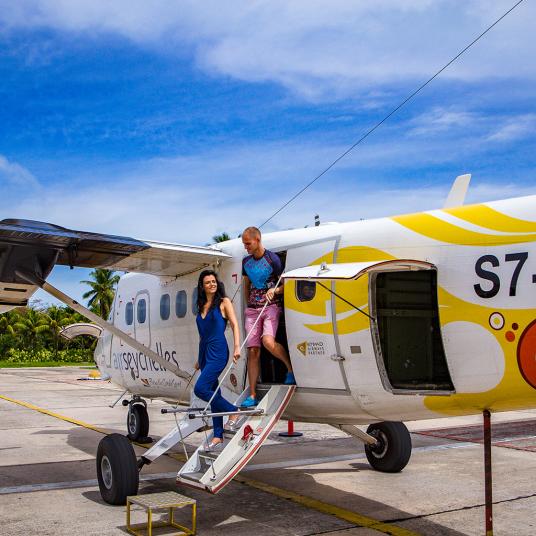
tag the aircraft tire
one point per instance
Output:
(117, 469)
(394, 449)
(137, 422)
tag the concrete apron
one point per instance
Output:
(319, 483)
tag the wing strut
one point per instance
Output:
(36, 280)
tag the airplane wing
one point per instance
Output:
(36, 247)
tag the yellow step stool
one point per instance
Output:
(168, 500)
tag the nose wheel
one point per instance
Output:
(138, 421)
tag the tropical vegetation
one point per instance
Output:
(31, 335)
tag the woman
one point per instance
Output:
(214, 311)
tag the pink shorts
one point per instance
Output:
(267, 324)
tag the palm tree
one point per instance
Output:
(223, 237)
(102, 291)
(54, 319)
(30, 325)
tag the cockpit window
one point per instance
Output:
(141, 311)
(129, 314)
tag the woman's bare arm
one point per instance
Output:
(231, 317)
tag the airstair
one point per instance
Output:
(212, 470)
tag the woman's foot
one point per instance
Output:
(215, 445)
(234, 422)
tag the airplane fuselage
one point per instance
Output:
(452, 338)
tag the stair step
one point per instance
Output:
(215, 469)
(209, 455)
(196, 477)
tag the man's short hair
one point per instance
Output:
(252, 231)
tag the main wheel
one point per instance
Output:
(393, 450)
(137, 422)
(117, 469)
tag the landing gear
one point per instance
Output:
(117, 469)
(138, 420)
(393, 448)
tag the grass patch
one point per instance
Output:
(10, 364)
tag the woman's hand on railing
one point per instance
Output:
(236, 353)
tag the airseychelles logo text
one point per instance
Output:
(138, 361)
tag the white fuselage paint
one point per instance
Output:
(329, 390)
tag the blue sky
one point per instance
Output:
(175, 121)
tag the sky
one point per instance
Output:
(176, 121)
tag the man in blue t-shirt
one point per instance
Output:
(261, 270)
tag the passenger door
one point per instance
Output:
(310, 321)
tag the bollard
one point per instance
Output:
(290, 431)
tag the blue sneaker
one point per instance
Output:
(290, 379)
(249, 402)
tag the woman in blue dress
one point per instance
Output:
(214, 311)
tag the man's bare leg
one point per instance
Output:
(277, 350)
(254, 367)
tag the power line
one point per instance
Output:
(392, 112)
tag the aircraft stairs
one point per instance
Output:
(212, 470)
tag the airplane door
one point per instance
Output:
(310, 321)
(142, 318)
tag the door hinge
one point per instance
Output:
(336, 357)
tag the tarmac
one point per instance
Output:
(51, 422)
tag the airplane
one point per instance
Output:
(386, 320)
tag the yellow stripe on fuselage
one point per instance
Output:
(442, 231)
(489, 218)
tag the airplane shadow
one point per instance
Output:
(239, 508)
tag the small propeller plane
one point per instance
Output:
(402, 318)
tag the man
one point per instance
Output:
(260, 271)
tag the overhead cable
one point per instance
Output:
(392, 112)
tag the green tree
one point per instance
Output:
(223, 237)
(102, 291)
(54, 319)
(29, 325)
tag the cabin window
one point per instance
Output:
(141, 311)
(180, 304)
(164, 306)
(305, 290)
(129, 314)
(194, 301)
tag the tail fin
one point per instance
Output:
(458, 191)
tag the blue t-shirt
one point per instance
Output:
(263, 274)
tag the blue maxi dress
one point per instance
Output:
(213, 357)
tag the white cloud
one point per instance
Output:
(319, 49)
(189, 199)
(12, 173)
(514, 128)
(441, 120)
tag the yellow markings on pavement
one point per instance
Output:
(52, 414)
(308, 502)
(326, 508)
(61, 417)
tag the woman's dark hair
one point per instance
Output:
(201, 295)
